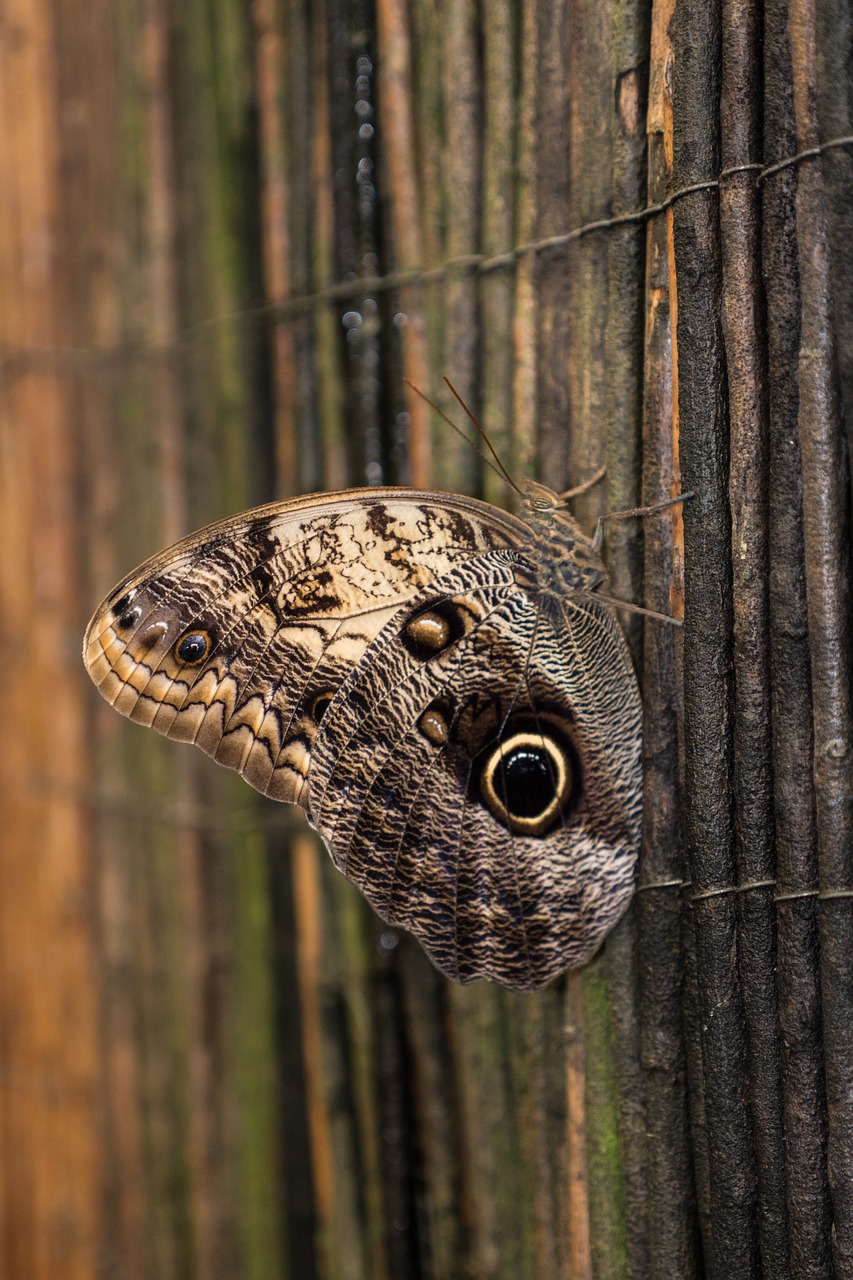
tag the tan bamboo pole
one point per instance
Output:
(50, 1209)
(498, 229)
(524, 304)
(397, 123)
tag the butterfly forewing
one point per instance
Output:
(272, 609)
(422, 673)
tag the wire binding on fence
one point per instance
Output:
(195, 819)
(342, 290)
(725, 890)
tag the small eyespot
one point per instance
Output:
(320, 706)
(433, 726)
(193, 647)
(149, 636)
(128, 618)
(432, 630)
(429, 631)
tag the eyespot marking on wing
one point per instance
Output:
(434, 726)
(433, 629)
(530, 780)
(193, 646)
(320, 706)
(149, 636)
(128, 619)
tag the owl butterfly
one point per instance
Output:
(434, 681)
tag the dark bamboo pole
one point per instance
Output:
(731, 1223)
(498, 223)
(298, 129)
(552, 276)
(397, 122)
(524, 345)
(834, 114)
(744, 335)
(827, 556)
(804, 1097)
(623, 400)
(334, 255)
(601, 424)
(455, 465)
(673, 1228)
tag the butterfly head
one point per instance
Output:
(540, 500)
(566, 557)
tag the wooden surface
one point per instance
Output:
(214, 1060)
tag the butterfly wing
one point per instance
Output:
(478, 775)
(467, 744)
(238, 638)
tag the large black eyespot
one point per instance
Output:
(527, 781)
(524, 782)
(193, 647)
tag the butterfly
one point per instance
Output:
(436, 682)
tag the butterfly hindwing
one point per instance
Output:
(412, 780)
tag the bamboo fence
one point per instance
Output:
(228, 233)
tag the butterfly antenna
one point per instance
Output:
(481, 433)
(499, 470)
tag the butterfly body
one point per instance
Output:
(433, 681)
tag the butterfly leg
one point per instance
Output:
(598, 536)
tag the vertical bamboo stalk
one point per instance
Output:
(743, 322)
(302, 429)
(672, 1226)
(552, 275)
(704, 447)
(497, 231)
(622, 423)
(827, 549)
(456, 465)
(804, 1098)
(51, 1214)
(429, 141)
(330, 173)
(272, 200)
(397, 123)
(524, 326)
(834, 113)
(589, 143)
(577, 1179)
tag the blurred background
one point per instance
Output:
(228, 232)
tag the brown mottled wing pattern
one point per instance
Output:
(287, 598)
(455, 712)
(404, 816)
